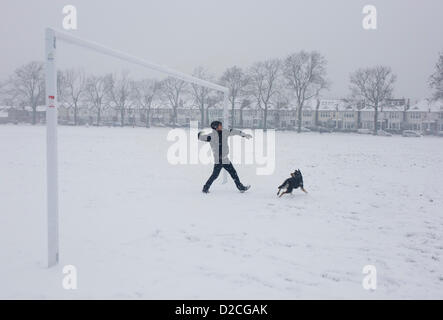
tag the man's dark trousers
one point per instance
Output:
(228, 167)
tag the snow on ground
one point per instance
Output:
(138, 227)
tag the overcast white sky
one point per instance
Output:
(220, 33)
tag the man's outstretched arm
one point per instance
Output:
(236, 132)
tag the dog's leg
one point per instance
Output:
(278, 192)
(283, 194)
(303, 189)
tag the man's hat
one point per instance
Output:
(215, 124)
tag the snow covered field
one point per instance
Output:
(138, 227)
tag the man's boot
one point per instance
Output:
(243, 188)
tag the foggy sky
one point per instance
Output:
(184, 34)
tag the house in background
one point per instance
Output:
(25, 114)
(395, 115)
(426, 116)
(392, 115)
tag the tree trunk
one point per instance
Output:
(34, 115)
(358, 119)
(202, 116)
(375, 119)
(299, 118)
(265, 118)
(241, 117)
(316, 115)
(233, 114)
(98, 116)
(122, 117)
(75, 114)
(148, 117)
(174, 120)
(207, 116)
(317, 111)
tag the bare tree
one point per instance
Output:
(264, 84)
(119, 93)
(145, 91)
(236, 80)
(374, 85)
(199, 93)
(305, 74)
(436, 79)
(28, 86)
(74, 89)
(172, 90)
(96, 90)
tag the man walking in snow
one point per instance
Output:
(218, 139)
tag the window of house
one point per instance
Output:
(415, 115)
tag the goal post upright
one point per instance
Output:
(51, 38)
(51, 147)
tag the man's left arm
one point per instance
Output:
(236, 132)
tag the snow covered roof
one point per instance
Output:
(426, 105)
(335, 105)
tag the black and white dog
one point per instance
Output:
(295, 181)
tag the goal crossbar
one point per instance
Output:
(51, 37)
(129, 58)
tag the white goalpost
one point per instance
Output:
(51, 38)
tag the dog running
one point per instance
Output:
(294, 182)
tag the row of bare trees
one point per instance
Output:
(273, 83)
(301, 77)
(100, 92)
